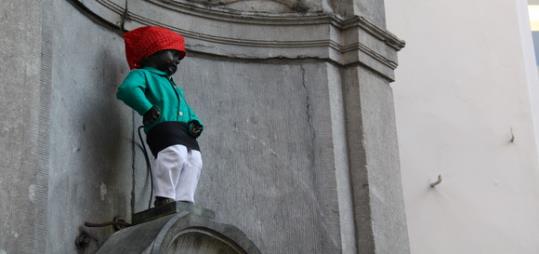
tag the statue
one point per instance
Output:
(171, 126)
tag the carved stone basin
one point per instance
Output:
(190, 231)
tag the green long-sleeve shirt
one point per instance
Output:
(145, 88)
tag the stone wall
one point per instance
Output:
(90, 131)
(472, 121)
(25, 93)
(299, 147)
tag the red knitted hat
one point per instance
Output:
(145, 41)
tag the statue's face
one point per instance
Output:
(165, 60)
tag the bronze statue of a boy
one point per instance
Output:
(171, 126)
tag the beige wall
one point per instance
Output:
(463, 90)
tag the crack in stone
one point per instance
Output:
(308, 111)
(317, 207)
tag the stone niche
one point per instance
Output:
(300, 148)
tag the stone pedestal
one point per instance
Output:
(178, 228)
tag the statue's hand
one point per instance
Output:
(150, 116)
(195, 128)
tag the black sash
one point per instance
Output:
(167, 134)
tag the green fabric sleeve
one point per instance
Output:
(131, 91)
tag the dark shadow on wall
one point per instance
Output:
(103, 130)
(105, 152)
(110, 115)
(535, 36)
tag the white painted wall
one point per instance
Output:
(463, 85)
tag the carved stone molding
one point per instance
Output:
(261, 35)
(270, 6)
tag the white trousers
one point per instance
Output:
(176, 172)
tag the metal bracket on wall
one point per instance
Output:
(84, 239)
(439, 181)
(85, 236)
(116, 223)
(512, 140)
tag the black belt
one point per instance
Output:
(167, 134)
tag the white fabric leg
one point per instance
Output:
(167, 170)
(190, 174)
